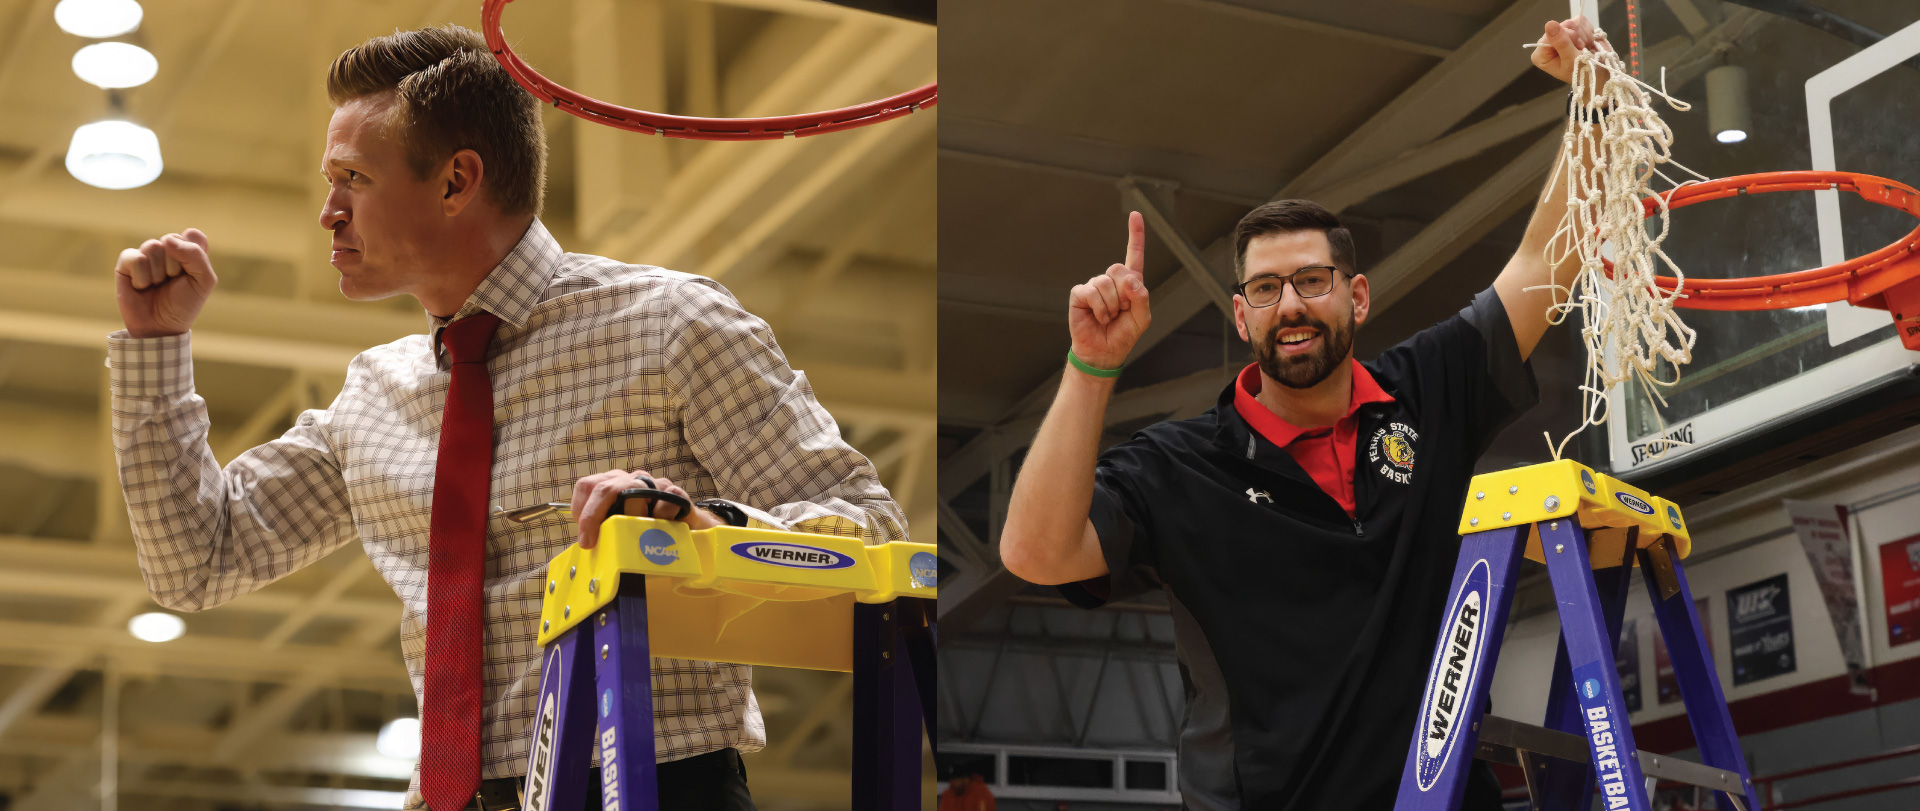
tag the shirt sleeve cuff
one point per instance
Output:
(1511, 376)
(149, 367)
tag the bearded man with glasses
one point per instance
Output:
(1303, 529)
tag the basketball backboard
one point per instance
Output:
(1780, 92)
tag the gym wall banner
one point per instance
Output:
(1664, 681)
(1628, 664)
(1760, 630)
(1823, 534)
(1900, 582)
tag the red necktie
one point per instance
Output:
(456, 565)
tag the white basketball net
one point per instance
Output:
(1612, 148)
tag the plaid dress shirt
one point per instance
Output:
(596, 365)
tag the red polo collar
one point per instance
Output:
(1282, 433)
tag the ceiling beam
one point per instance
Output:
(871, 150)
(811, 58)
(67, 569)
(998, 143)
(242, 220)
(669, 235)
(197, 656)
(1486, 206)
(268, 718)
(1358, 35)
(619, 52)
(1440, 99)
(1160, 219)
(1508, 124)
(39, 685)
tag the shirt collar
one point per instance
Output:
(1281, 433)
(514, 287)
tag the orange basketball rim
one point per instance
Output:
(1886, 279)
(698, 129)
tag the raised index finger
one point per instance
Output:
(1136, 243)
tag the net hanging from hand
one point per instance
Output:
(1612, 149)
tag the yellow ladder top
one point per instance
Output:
(1567, 489)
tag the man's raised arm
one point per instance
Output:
(1048, 538)
(206, 535)
(1522, 284)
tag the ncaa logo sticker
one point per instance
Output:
(657, 546)
(1591, 688)
(1586, 480)
(1634, 503)
(924, 570)
(1673, 514)
(1453, 679)
(792, 555)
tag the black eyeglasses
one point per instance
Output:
(1309, 282)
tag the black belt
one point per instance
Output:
(503, 793)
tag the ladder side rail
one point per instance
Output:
(1460, 675)
(1595, 678)
(563, 725)
(920, 638)
(882, 778)
(623, 677)
(1564, 784)
(1693, 666)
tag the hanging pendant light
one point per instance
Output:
(114, 155)
(98, 19)
(114, 65)
(1728, 114)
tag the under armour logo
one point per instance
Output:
(1256, 495)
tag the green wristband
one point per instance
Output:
(1093, 370)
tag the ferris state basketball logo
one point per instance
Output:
(1392, 449)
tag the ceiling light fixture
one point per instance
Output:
(1728, 115)
(399, 739)
(114, 155)
(113, 65)
(97, 19)
(157, 626)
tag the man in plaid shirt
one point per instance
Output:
(604, 376)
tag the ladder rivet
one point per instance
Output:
(593, 586)
(570, 570)
(886, 655)
(550, 586)
(1559, 547)
(566, 612)
(545, 625)
(1553, 502)
(603, 651)
(886, 616)
(1514, 489)
(1554, 525)
(1482, 495)
(603, 619)
(1506, 516)
(1473, 522)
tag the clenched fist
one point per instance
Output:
(162, 284)
(1561, 42)
(1109, 313)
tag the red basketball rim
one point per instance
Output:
(1857, 280)
(689, 127)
